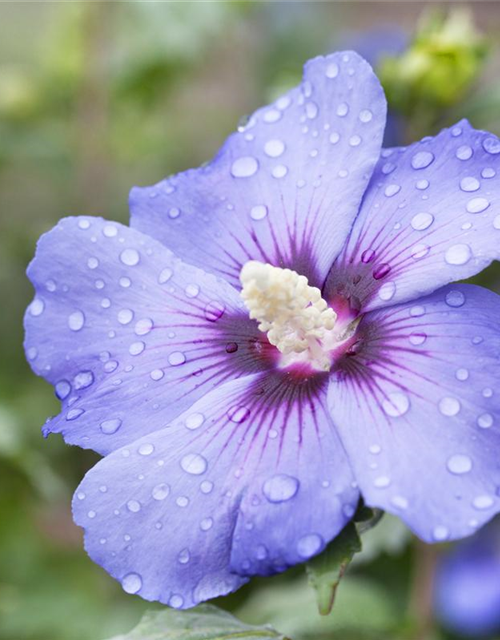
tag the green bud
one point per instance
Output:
(439, 67)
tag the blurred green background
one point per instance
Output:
(96, 97)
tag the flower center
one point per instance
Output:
(298, 322)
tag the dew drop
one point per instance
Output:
(459, 464)
(422, 221)
(136, 348)
(110, 426)
(63, 389)
(449, 406)
(206, 524)
(422, 159)
(367, 256)
(366, 115)
(381, 271)
(165, 275)
(130, 257)
(280, 488)
(194, 421)
(440, 533)
(309, 545)
(477, 205)
(392, 190)
(396, 404)
(482, 502)
(491, 145)
(132, 583)
(247, 165)
(194, 464)
(83, 379)
(160, 492)
(238, 414)
(146, 449)
(342, 109)
(455, 298)
(469, 183)
(76, 321)
(134, 506)
(332, 70)
(464, 152)
(279, 171)
(259, 212)
(485, 421)
(458, 254)
(176, 358)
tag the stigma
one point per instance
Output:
(298, 322)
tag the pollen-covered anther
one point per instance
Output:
(294, 315)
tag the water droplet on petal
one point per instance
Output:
(342, 109)
(132, 583)
(206, 524)
(449, 406)
(136, 348)
(146, 449)
(134, 506)
(259, 212)
(214, 311)
(110, 426)
(280, 488)
(74, 414)
(194, 464)
(491, 145)
(130, 257)
(36, 307)
(366, 115)
(184, 556)
(464, 152)
(459, 464)
(110, 230)
(194, 421)
(238, 414)
(367, 256)
(455, 298)
(176, 601)
(417, 338)
(247, 165)
(422, 159)
(477, 205)
(458, 254)
(83, 379)
(76, 321)
(482, 502)
(332, 70)
(143, 326)
(309, 545)
(396, 404)
(165, 275)
(63, 389)
(387, 291)
(392, 190)
(160, 492)
(381, 271)
(440, 533)
(176, 358)
(469, 183)
(485, 421)
(422, 221)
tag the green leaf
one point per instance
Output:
(326, 570)
(205, 622)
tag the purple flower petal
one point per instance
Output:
(129, 335)
(286, 187)
(417, 413)
(431, 215)
(250, 480)
(467, 594)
